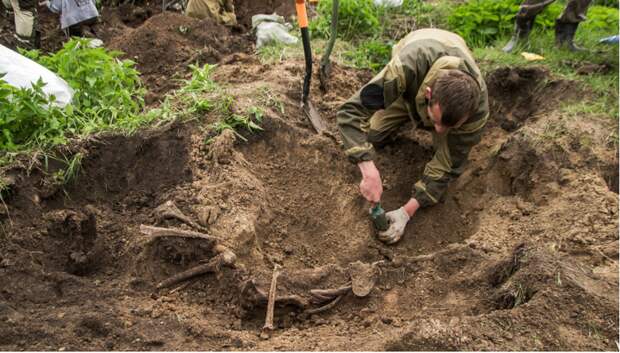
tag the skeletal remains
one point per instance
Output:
(362, 275)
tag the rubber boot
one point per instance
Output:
(565, 35)
(523, 27)
(29, 43)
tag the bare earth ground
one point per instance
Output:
(521, 255)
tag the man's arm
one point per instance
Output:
(383, 90)
(451, 153)
(350, 118)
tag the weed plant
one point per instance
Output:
(29, 118)
(201, 94)
(108, 95)
(108, 91)
(480, 22)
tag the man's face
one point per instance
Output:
(434, 114)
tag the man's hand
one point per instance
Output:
(398, 220)
(371, 186)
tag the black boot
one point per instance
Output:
(523, 26)
(565, 35)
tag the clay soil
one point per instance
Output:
(521, 254)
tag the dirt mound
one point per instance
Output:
(167, 43)
(514, 290)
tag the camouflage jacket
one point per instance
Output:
(416, 61)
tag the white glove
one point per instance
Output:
(398, 221)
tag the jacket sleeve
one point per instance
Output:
(451, 153)
(385, 88)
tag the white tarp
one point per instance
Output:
(388, 3)
(22, 72)
(272, 28)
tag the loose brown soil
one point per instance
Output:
(522, 254)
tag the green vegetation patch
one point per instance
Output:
(200, 95)
(108, 95)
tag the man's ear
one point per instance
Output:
(428, 93)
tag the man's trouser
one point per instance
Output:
(574, 12)
(221, 10)
(25, 19)
(385, 123)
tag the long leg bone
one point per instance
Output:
(157, 232)
(272, 301)
(225, 257)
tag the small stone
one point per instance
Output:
(289, 249)
(155, 314)
(367, 322)
(62, 349)
(565, 176)
(367, 311)
(141, 311)
(237, 342)
(237, 325)
(61, 315)
(387, 320)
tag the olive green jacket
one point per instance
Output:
(416, 62)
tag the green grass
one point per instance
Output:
(71, 170)
(601, 89)
(201, 95)
(269, 99)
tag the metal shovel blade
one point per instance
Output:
(313, 115)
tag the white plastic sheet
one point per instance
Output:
(272, 28)
(388, 3)
(22, 72)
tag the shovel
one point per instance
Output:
(311, 113)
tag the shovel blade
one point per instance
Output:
(315, 118)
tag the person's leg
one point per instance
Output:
(25, 12)
(74, 31)
(524, 21)
(384, 124)
(566, 25)
(7, 7)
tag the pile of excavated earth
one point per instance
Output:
(167, 243)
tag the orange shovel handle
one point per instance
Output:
(302, 16)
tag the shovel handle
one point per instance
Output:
(302, 16)
(302, 19)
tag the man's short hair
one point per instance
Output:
(457, 94)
